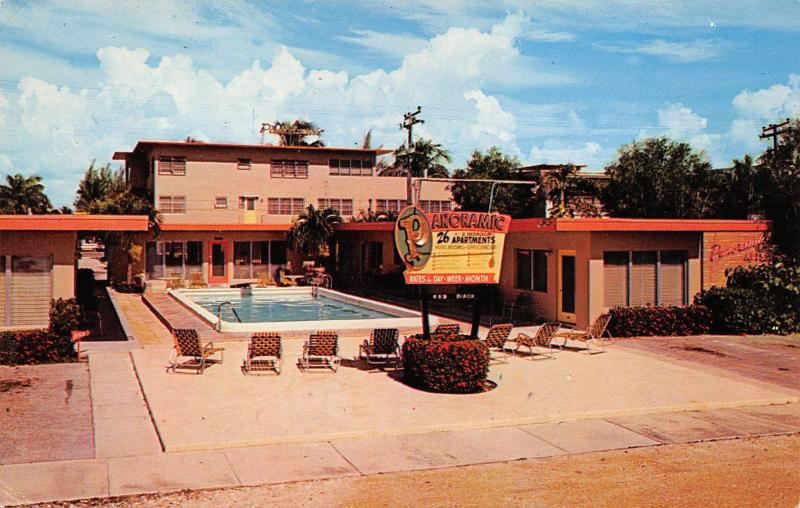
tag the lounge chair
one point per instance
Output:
(187, 343)
(447, 329)
(585, 338)
(540, 343)
(196, 280)
(264, 352)
(266, 280)
(496, 341)
(321, 350)
(382, 348)
(285, 281)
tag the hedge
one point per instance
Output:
(447, 364)
(659, 321)
(25, 347)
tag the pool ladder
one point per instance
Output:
(219, 314)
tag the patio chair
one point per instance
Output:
(321, 350)
(266, 280)
(196, 280)
(382, 348)
(585, 338)
(447, 329)
(264, 352)
(540, 343)
(496, 341)
(286, 281)
(187, 344)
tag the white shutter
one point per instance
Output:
(31, 290)
(2, 290)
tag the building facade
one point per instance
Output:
(226, 208)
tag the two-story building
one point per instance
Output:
(226, 208)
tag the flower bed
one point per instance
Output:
(446, 364)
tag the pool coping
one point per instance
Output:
(406, 318)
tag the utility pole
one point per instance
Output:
(409, 121)
(774, 131)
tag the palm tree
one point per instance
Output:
(566, 190)
(427, 159)
(23, 195)
(96, 185)
(295, 133)
(312, 229)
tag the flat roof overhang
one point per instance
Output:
(75, 222)
(140, 145)
(638, 225)
(225, 227)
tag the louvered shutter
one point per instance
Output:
(31, 290)
(643, 279)
(672, 278)
(615, 279)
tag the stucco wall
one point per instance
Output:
(61, 245)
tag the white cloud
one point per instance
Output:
(556, 152)
(493, 125)
(680, 121)
(60, 129)
(681, 52)
(549, 36)
(396, 45)
(770, 103)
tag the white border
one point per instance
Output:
(405, 318)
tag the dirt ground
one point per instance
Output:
(762, 471)
(45, 413)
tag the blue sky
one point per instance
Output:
(547, 81)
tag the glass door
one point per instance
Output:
(566, 286)
(218, 262)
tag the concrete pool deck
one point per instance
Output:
(225, 409)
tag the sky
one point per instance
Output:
(545, 81)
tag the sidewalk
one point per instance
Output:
(160, 472)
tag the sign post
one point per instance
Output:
(451, 248)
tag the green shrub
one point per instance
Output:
(659, 321)
(758, 299)
(447, 364)
(65, 316)
(34, 346)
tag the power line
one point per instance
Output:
(774, 131)
(409, 121)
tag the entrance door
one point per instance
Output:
(566, 286)
(218, 262)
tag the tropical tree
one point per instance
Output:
(426, 158)
(780, 193)
(516, 200)
(295, 133)
(312, 229)
(23, 195)
(660, 178)
(96, 185)
(740, 189)
(567, 193)
(126, 203)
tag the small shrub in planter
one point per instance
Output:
(447, 363)
(659, 321)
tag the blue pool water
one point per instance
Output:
(259, 307)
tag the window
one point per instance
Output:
(531, 266)
(247, 202)
(642, 278)
(341, 205)
(30, 289)
(252, 258)
(173, 259)
(221, 202)
(435, 205)
(351, 167)
(243, 164)
(172, 204)
(389, 205)
(289, 169)
(285, 206)
(170, 165)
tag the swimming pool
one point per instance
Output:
(291, 309)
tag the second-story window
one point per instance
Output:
(172, 204)
(350, 167)
(285, 206)
(243, 164)
(247, 202)
(288, 169)
(435, 205)
(221, 202)
(170, 165)
(389, 205)
(341, 205)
